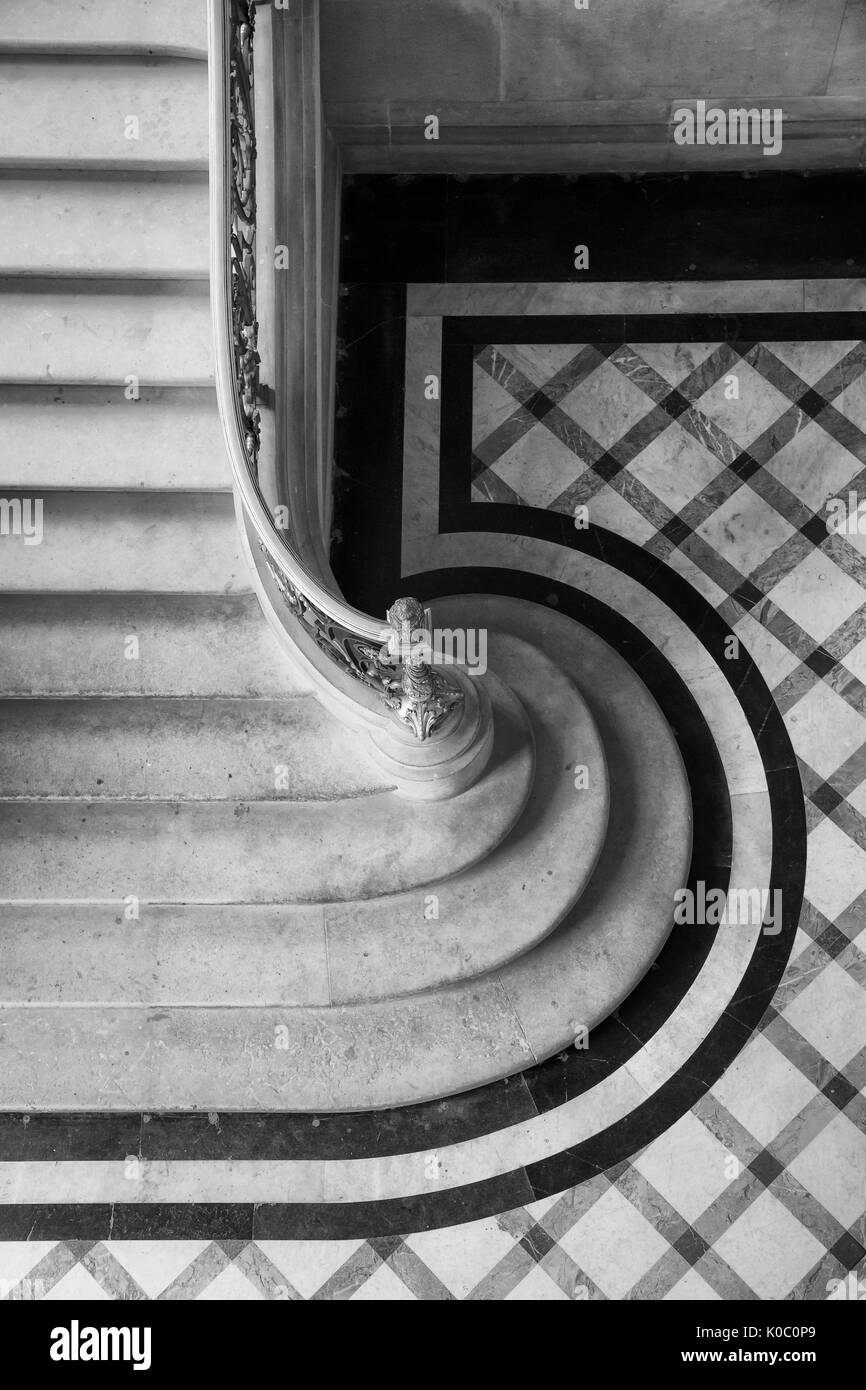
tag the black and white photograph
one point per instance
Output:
(433, 669)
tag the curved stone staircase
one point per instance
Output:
(211, 897)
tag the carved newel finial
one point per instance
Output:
(425, 699)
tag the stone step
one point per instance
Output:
(179, 749)
(148, 26)
(503, 907)
(181, 954)
(121, 541)
(79, 644)
(397, 1051)
(92, 226)
(264, 851)
(372, 949)
(153, 334)
(93, 437)
(108, 113)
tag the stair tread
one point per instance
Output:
(171, 850)
(127, 748)
(104, 24)
(162, 1055)
(160, 542)
(56, 111)
(78, 645)
(98, 226)
(93, 437)
(161, 336)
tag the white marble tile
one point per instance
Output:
(825, 730)
(825, 296)
(308, 1264)
(687, 1166)
(698, 579)
(78, 1286)
(154, 1264)
(461, 1256)
(745, 530)
(856, 660)
(851, 401)
(835, 869)
(219, 1180)
(674, 361)
(492, 405)
(831, 1014)
(19, 1257)
(607, 404)
(811, 360)
(818, 595)
(833, 1169)
(751, 413)
(539, 466)
(608, 508)
(763, 1090)
(537, 1287)
(675, 467)
(421, 429)
(769, 1248)
(540, 361)
(814, 467)
(383, 1287)
(614, 1244)
(773, 659)
(691, 1288)
(230, 1286)
(608, 297)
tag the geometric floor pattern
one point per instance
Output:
(717, 458)
(720, 459)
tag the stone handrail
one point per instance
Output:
(374, 674)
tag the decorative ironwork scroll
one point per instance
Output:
(363, 660)
(421, 697)
(243, 221)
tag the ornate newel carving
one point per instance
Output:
(425, 699)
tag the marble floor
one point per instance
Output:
(711, 1146)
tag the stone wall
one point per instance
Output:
(542, 82)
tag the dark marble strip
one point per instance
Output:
(697, 226)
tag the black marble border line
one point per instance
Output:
(696, 225)
(436, 1124)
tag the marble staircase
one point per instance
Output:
(210, 897)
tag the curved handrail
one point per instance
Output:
(229, 395)
(420, 698)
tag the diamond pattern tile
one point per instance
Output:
(746, 415)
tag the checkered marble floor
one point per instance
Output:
(719, 459)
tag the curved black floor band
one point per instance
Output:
(436, 1124)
